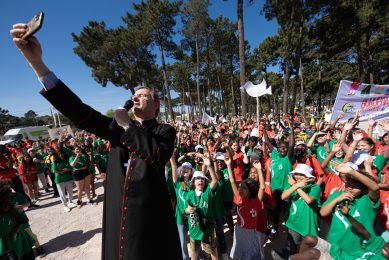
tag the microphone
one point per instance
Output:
(127, 106)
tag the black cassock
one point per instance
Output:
(137, 216)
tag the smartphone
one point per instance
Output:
(34, 25)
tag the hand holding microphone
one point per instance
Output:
(120, 116)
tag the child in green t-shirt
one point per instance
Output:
(303, 196)
(373, 247)
(362, 194)
(198, 205)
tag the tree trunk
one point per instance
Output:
(286, 87)
(169, 104)
(294, 94)
(209, 80)
(242, 58)
(302, 98)
(198, 75)
(319, 87)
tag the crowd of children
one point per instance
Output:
(324, 182)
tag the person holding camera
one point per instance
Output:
(135, 189)
(7, 171)
(198, 206)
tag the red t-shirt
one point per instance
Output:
(29, 173)
(247, 211)
(314, 163)
(239, 165)
(268, 196)
(5, 171)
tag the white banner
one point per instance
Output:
(207, 119)
(370, 100)
(257, 90)
(55, 133)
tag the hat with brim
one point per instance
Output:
(185, 165)
(303, 169)
(200, 174)
(199, 146)
(300, 143)
(220, 156)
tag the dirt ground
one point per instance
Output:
(78, 233)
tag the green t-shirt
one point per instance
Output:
(102, 160)
(181, 197)
(371, 250)
(68, 150)
(363, 211)
(218, 205)
(227, 193)
(23, 241)
(332, 168)
(302, 217)
(82, 161)
(202, 203)
(20, 199)
(379, 161)
(63, 176)
(280, 169)
(40, 165)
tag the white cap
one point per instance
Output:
(254, 132)
(359, 157)
(220, 156)
(199, 174)
(299, 143)
(199, 146)
(30, 149)
(187, 165)
(304, 169)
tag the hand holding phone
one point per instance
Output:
(34, 25)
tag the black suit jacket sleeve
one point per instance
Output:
(82, 115)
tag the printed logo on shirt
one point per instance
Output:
(253, 213)
(356, 214)
(366, 254)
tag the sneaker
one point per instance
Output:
(56, 195)
(71, 205)
(41, 251)
(47, 190)
(66, 209)
(79, 203)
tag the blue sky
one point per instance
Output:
(18, 84)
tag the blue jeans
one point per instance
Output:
(182, 232)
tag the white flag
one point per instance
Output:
(207, 119)
(257, 90)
